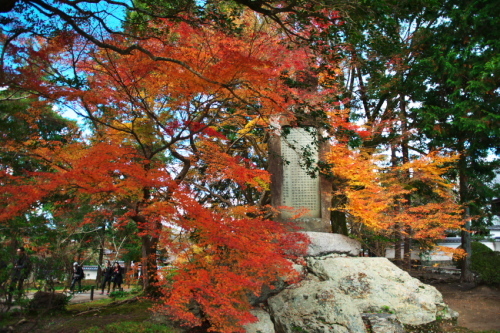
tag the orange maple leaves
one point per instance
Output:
(224, 264)
(378, 195)
(155, 137)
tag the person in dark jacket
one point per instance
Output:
(107, 273)
(20, 273)
(77, 278)
(117, 276)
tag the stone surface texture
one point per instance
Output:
(383, 323)
(342, 293)
(325, 243)
(264, 323)
(314, 306)
(377, 285)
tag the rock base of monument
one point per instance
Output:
(341, 293)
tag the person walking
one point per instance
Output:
(107, 273)
(77, 278)
(117, 276)
(20, 272)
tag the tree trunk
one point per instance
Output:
(397, 227)
(465, 270)
(149, 243)
(466, 273)
(150, 265)
(338, 218)
(101, 257)
(406, 159)
(339, 222)
(150, 232)
(397, 245)
(407, 248)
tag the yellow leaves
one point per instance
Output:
(164, 209)
(259, 182)
(329, 78)
(358, 167)
(119, 126)
(189, 255)
(139, 130)
(430, 168)
(145, 130)
(451, 253)
(380, 196)
(251, 125)
(459, 254)
(241, 211)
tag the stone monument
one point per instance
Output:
(299, 192)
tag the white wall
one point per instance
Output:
(451, 242)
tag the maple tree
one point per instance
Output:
(122, 26)
(175, 102)
(156, 143)
(377, 195)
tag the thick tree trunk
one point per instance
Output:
(407, 248)
(150, 232)
(150, 265)
(338, 218)
(149, 245)
(339, 222)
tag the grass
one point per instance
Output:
(107, 316)
(105, 303)
(130, 327)
(123, 313)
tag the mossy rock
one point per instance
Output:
(48, 302)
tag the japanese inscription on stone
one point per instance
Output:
(300, 190)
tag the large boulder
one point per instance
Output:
(340, 291)
(323, 243)
(377, 285)
(43, 302)
(316, 307)
(263, 324)
(383, 323)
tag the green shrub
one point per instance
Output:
(485, 263)
(479, 248)
(487, 266)
(130, 327)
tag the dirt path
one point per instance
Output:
(479, 307)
